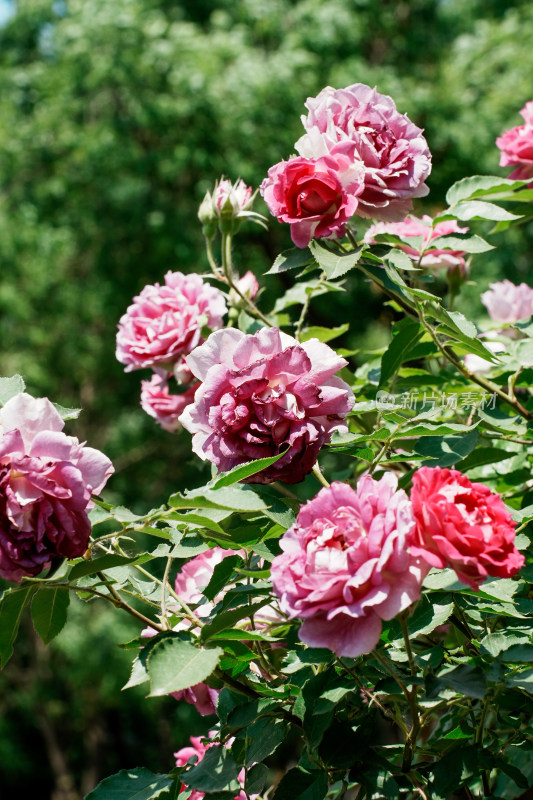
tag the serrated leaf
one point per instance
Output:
(236, 498)
(216, 772)
(402, 341)
(427, 616)
(221, 575)
(324, 334)
(481, 209)
(67, 413)
(470, 244)
(335, 265)
(11, 608)
(480, 184)
(84, 568)
(298, 784)
(227, 619)
(49, 609)
(291, 259)
(132, 784)
(244, 471)
(263, 737)
(400, 260)
(174, 664)
(138, 674)
(9, 387)
(446, 451)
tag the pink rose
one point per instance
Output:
(197, 751)
(46, 482)
(462, 525)
(516, 145)
(201, 696)
(248, 285)
(164, 323)
(507, 302)
(413, 227)
(196, 574)
(346, 564)
(263, 394)
(393, 150)
(164, 407)
(315, 196)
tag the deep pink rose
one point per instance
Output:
(463, 525)
(164, 323)
(507, 302)
(315, 196)
(516, 146)
(393, 150)
(201, 696)
(346, 564)
(263, 394)
(163, 406)
(46, 482)
(413, 227)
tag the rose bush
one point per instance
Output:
(463, 525)
(347, 564)
(46, 482)
(262, 395)
(393, 150)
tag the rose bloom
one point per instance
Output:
(507, 302)
(516, 146)
(46, 482)
(263, 394)
(315, 196)
(393, 150)
(197, 751)
(346, 564)
(164, 322)
(413, 227)
(463, 525)
(201, 696)
(237, 196)
(164, 407)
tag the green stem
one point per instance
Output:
(318, 475)
(119, 602)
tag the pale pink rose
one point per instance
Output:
(248, 285)
(516, 146)
(413, 227)
(462, 525)
(164, 323)
(196, 574)
(316, 197)
(346, 565)
(393, 150)
(235, 197)
(263, 394)
(164, 407)
(507, 302)
(46, 482)
(195, 753)
(201, 696)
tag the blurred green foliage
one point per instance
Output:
(115, 117)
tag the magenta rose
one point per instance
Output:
(46, 482)
(346, 565)
(463, 525)
(163, 406)
(507, 302)
(164, 323)
(263, 394)
(393, 150)
(316, 197)
(413, 228)
(201, 696)
(516, 146)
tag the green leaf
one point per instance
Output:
(480, 209)
(49, 609)
(400, 260)
(291, 259)
(407, 335)
(298, 784)
(132, 784)
(298, 294)
(483, 455)
(217, 771)
(464, 679)
(11, 608)
(521, 680)
(244, 471)
(446, 451)
(67, 413)
(335, 265)
(262, 738)
(9, 387)
(479, 185)
(470, 244)
(427, 616)
(83, 568)
(324, 334)
(221, 575)
(494, 644)
(174, 664)
(227, 619)
(238, 497)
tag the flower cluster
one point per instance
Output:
(357, 557)
(516, 146)
(359, 155)
(46, 482)
(162, 326)
(424, 232)
(264, 395)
